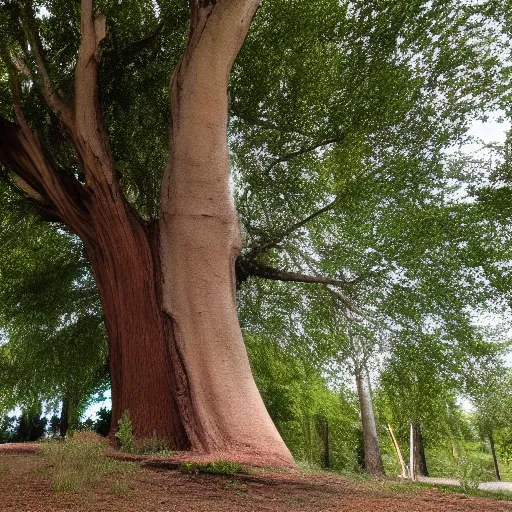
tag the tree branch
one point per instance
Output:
(44, 177)
(29, 180)
(29, 190)
(54, 191)
(265, 124)
(348, 303)
(265, 246)
(85, 123)
(131, 49)
(304, 150)
(256, 269)
(91, 135)
(245, 269)
(116, 61)
(50, 95)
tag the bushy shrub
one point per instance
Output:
(7, 428)
(102, 424)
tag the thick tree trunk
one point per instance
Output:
(143, 367)
(372, 456)
(420, 462)
(494, 458)
(200, 242)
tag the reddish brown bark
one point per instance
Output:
(141, 364)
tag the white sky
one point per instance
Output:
(492, 130)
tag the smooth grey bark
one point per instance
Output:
(372, 456)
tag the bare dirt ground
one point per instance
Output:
(25, 486)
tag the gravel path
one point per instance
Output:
(484, 486)
(496, 486)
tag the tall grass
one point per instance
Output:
(80, 462)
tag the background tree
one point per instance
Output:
(50, 317)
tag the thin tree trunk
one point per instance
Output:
(455, 448)
(372, 456)
(420, 462)
(322, 427)
(494, 458)
(327, 454)
(398, 452)
(64, 418)
(308, 438)
(412, 473)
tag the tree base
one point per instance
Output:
(175, 461)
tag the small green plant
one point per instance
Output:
(124, 433)
(80, 462)
(218, 467)
(470, 473)
(190, 467)
(309, 467)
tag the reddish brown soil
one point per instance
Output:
(25, 488)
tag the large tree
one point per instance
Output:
(84, 140)
(177, 359)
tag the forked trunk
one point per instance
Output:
(178, 363)
(372, 456)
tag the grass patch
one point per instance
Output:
(81, 462)
(218, 467)
(309, 467)
(120, 488)
(129, 444)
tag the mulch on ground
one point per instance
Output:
(25, 488)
